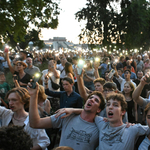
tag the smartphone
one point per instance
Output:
(80, 66)
(36, 78)
(112, 72)
(15, 77)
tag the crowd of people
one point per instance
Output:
(82, 101)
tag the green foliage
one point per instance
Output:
(129, 28)
(19, 16)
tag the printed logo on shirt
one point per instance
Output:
(80, 136)
(111, 139)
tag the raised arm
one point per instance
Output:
(137, 92)
(80, 83)
(34, 118)
(8, 62)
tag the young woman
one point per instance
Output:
(69, 70)
(89, 76)
(43, 103)
(132, 106)
(18, 99)
(23, 78)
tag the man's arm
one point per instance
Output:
(80, 83)
(68, 112)
(34, 118)
(137, 92)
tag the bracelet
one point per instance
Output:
(46, 83)
(52, 67)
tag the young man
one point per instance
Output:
(78, 131)
(98, 84)
(68, 98)
(127, 74)
(114, 135)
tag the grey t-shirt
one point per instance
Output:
(76, 132)
(145, 102)
(118, 138)
(145, 144)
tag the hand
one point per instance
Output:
(68, 112)
(105, 119)
(128, 124)
(46, 78)
(32, 91)
(6, 49)
(144, 78)
(77, 75)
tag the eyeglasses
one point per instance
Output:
(109, 90)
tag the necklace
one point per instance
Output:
(21, 119)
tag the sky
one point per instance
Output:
(68, 27)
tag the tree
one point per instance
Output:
(126, 26)
(20, 17)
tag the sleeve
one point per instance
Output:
(53, 94)
(57, 122)
(120, 79)
(140, 129)
(4, 111)
(145, 102)
(99, 121)
(42, 139)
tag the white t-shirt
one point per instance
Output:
(60, 67)
(56, 80)
(123, 81)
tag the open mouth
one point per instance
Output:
(110, 114)
(89, 104)
(11, 107)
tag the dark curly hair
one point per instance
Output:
(100, 95)
(14, 138)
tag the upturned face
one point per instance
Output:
(92, 104)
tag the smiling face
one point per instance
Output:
(127, 88)
(114, 111)
(14, 102)
(20, 66)
(92, 104)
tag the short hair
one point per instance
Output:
(68, 79)
(22, 63)
(147, 108)
(75, 58)
(120, 69)
(127, 70)
(41, 95)
(118, 97)
(63, 148)
(100, 95)
(121, 57)
(100, 80)
(110, 85)
(23, 94)
(14, 137)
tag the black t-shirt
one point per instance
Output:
(25, 79)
